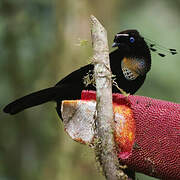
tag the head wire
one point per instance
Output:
(155, 47)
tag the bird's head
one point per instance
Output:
(131, 43)
(135, 51)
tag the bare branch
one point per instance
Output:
(106, 147)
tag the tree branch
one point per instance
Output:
(106, 147)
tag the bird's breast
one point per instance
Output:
(133, 67)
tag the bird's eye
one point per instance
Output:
(131, 39)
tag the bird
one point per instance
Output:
(130, 62)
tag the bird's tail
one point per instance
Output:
(31, 100)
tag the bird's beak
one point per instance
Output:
(115, 44)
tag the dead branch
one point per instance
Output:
(106, 149)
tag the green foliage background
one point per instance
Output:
(39, 44)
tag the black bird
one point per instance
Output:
(130, 63)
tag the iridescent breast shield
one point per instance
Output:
(133, 67)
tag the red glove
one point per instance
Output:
(147, 131)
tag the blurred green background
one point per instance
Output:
(39, 44)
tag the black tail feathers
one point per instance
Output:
(31, 100)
